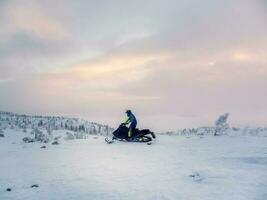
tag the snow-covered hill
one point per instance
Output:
(221, 127)
(49, 124)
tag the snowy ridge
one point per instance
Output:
(221, 127)
(50, 123)
(243, 131)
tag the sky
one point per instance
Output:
(174, 63)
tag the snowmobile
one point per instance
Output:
(121, 134)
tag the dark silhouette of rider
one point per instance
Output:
(131, 121)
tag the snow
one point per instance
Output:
(173, 167)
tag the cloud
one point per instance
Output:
(107, 72)
(27, 17)
(133, 37)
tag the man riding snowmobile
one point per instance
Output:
(131, 121)
(131, 134)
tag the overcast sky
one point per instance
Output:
(176, 63)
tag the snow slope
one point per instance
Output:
(174, 167)
(50, 123)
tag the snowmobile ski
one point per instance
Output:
(107, 140)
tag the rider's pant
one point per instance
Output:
(131, 129)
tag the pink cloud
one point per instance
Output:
(29, 18)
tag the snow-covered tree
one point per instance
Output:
(1, 133)
(49, 131)
(40, 136)
(221, 125)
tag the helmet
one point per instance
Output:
(128, 111)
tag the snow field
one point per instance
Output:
(173, 167)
